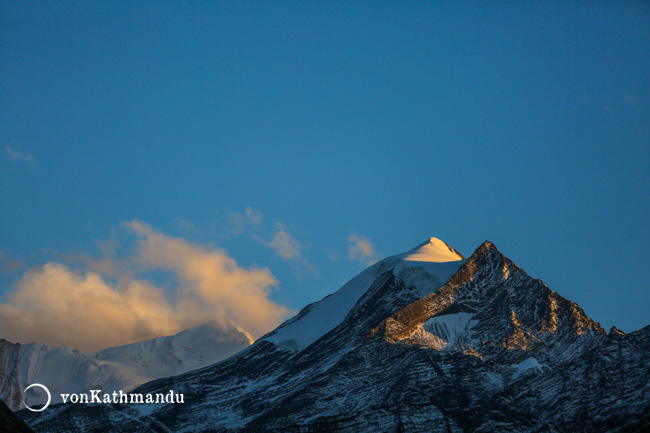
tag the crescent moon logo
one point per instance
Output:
(49, 397)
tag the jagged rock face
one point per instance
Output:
(489, 307)
(606, 388)
(491, 350)
(10, 389)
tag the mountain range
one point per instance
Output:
(424, 341)
(68, 370)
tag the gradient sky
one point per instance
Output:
(288, 132)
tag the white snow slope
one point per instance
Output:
(428, 266)
(68, 370)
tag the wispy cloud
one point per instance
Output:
(109, 264)
(289, 249)
(239, 222)
(20, 156)
(362, 249)
(284, 244)
(90, 309)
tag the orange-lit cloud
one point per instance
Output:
(59, 306)
(213, 279)
(362, 249)
(289, 249)
(54, 305)
(284, 244)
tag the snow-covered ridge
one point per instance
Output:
(427, 267)
(68, 370)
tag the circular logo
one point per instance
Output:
(49, 397)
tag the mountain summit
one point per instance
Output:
(424, 341)
(433, 250)
(426, 267)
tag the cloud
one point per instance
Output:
(19, 156)
(289, 249)
(214, 278)
(253, 216)
(362, 249)
(61, 306)
(109, 264)
(284, 244)
(57, 306)
(239, 222)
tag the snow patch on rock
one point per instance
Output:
(525, 365)
(444, 332)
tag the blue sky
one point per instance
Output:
(527, 124)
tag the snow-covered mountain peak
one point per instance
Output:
(425, 268)
(433, 250)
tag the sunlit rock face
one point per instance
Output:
(424, 341)
(489, 307)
